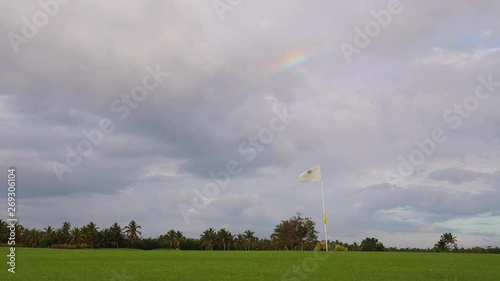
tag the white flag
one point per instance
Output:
(312, 175)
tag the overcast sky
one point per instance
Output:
(402, 114)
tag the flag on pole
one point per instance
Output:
(312, 175)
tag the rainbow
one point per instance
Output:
(286, 63)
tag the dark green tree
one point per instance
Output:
(33, 237)
(447, 242)
(208, 239)
(170, 238)
(4, 231)
(239, 242)
(76, 236)
(132, 231)
(103, 238)
(295, 234)
(91, 234)
(174, 238)
(372, 244)
(179, 237)
(63, 234)
(116, 234)
(49, 237)
(224, 238)
(250, 239)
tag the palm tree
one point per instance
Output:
(451, 240)
(48, 230)
(171, 238)
(208, 238)
(20, 233)
(63, 232)
(276, 240)
(116, 233)
(49, 236)
(91, 233)
(76, 236)
(104, 236)
(224, 237)
(132, 231)
(85, 235)
(33, 236)
(440, 245)
(447, 241)
(249, 237)
(178, 238)
(239, 241)
(4, 231)
(311, 238)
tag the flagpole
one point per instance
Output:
(312, 176)
(324, 213)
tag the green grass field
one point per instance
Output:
(122, 265)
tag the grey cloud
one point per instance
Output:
(226, 77)
(458, 176)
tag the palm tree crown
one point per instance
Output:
(132, 231)
(208, 238)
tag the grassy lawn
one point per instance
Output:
(122, 265)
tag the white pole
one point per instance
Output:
(324, 213)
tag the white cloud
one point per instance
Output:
(462, 60)
(486, 34)
(484, 223)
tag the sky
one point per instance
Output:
(194, 114)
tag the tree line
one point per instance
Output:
(297, 233)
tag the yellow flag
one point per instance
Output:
(324, 218)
